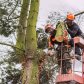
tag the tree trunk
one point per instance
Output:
(31, 42)
(21, 32)
(30, 70)
(27, 67)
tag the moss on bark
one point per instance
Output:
(31, 26)
(30, 67)
(22, 25)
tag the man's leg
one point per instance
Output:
(71, 42)
(77, 49)
(77, 52)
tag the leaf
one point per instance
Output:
(3, 12)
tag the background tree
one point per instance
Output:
(9, 14)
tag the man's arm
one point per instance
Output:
(73, 32)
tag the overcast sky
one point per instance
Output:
(47, 6)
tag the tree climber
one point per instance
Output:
(74, 30)
(58, 36)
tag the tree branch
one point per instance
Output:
(14, 18)
(13, 9)
(79, 13)
(1, 43)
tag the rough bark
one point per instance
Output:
(30, 75)
(22, 25)
(31, 42)
(27, 71)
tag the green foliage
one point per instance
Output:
(8, 22)
(13, 74)
(6, 29)
(3, 12)
(42, 40)
(10, 71)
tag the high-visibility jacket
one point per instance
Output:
(60, 32)
(57, 35)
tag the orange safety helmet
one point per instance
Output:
(70, 16)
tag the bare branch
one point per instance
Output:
(14, 18)
(79, 13)
(2, 43)
(13, 9)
